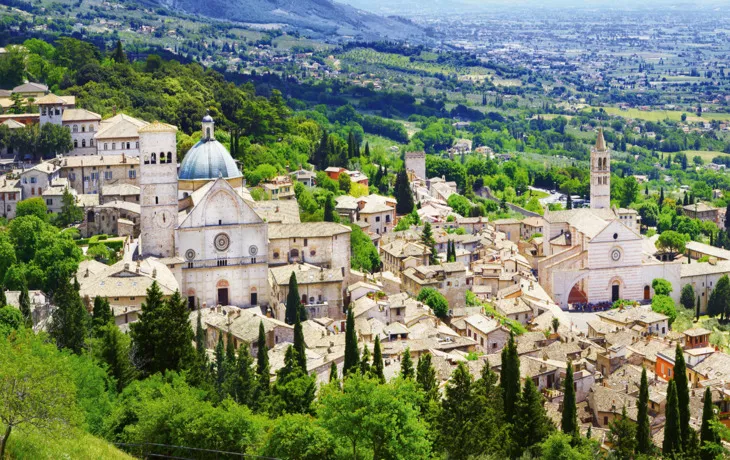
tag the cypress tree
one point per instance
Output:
(569, 421)
(458, 412)
(352, 353)
(661, 197)
(426, 378)
(569, 202)
(25, 310)
(403, 196)
(697, 308)
(680, 379)
(707, 434)
(509, 379)
(377, 368)
(644, 443)
(365, 361)
(102, 312)
(367, 149)
(293, 390)
(68, 326)
(333, 372)
(329, 208)
(200, 338)
(119, 56)
(293, 302)
(220, 366)
(114, 351)
(230, 350)
(299, 344)
(672, 432)
(350, 145)
(262, 363)
(406, 365)
(622, 436)
(243, 380)
(532, 424)
(428, 240)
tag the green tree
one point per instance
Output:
(403, 196)
(377, 368)
(435, 300)
(37, 389)
(687, 298)
(672, 432)
(114, 351)
(299, 345)
(68, 326)
(10, 320)
(456, 420)
(263, 378)
(707, 433)
(569, 419)
(672, 241)
(294, 390)
(32, 207)
(243, 380)
(680, 380)
(300, 437)
(426, 378)
(333, 373)
(162, 338)
(377, 421)
(428, 240)
(118, 56)
(532, 424)
(329, 209)
(365, 255)
(644, 444)
(352, 352)
(629, 192)
(622, 436)
(406, 365)
(102, 313)
(665, 305)
(24, 304)
(509, 378)
(719, 302)
(294, 305)
(70, 212)
(345, 183)
(661, 286)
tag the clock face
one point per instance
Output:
(221, 241)
(615, 255)
(163, 219)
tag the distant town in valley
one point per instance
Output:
(304, 230)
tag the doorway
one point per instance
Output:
(615, 292)
(647, 293)
(191, 302)
(222, 296)
(254, 298)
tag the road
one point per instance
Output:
(552, 198)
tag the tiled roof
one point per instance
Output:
(307, 230)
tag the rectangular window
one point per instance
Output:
(33, 180)
(132, 174)
(106, 146)
(107, 175)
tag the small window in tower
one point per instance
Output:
(162, 157)
(169, 157)
(207, 133)
(157, 200)
(153, 158)
(615, 236)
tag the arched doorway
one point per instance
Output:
(647, 293)
(222, 287)
(615, 291)
(191, 299)
(254, 296)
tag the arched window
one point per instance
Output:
(153, 158)
(83, 142)
(146, 160)
(76, 128)
(294, 252)
(83, 128)
(76, 143)
(304, 298)
(128, 144)
(91, 128)
(169, 157)
(162, 157)
(207, 133)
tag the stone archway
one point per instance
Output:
(616, 287)
(222, 291)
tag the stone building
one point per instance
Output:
(416, 162)
(325, 244)
(321, 289)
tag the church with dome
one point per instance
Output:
(201, 220)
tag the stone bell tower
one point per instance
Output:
(600, 174)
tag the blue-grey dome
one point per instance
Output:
(207, 119)
(208, 159)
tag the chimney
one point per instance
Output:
(154, 273)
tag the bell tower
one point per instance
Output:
(600, 174)
(158, 194)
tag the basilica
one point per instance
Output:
(598, 255)
(201, 222)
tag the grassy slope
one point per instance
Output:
(659, 115)
(76, 445)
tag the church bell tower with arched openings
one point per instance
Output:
(158, 189)
(600, 174)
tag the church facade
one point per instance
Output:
(597, 255)
(202, 220)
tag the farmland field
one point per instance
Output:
(659, 115)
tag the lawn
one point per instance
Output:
(706, 155)
(76, 444)
(660, 115)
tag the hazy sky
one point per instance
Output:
(417, 7)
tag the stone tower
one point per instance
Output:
(158, 189)
(600, 174)
(416, 162)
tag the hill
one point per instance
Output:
(77, 444)
(323, 17)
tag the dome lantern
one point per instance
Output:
(208, 125)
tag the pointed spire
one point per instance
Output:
(600, 141)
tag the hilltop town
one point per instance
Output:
(293, 266)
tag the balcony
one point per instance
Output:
(229, 262)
